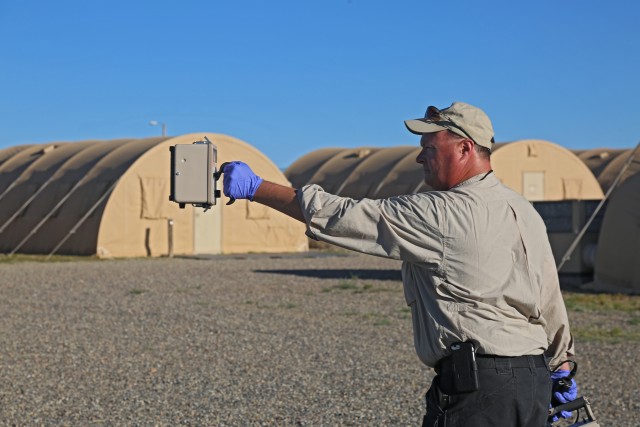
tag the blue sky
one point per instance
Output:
(290, 77)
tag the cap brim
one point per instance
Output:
(422, 126)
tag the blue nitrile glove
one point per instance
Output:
(239, 181)
(559, 396)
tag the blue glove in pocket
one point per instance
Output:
(564, 390)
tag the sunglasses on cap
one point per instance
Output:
(444, 120)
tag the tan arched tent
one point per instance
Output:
(537, 169)
(543, 171)
(617, 266)
(110, 198)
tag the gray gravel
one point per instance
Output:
(310, 340)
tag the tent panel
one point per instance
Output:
(13, 167)
(96, 184)
(66, 184)
(611, 171)
(598, 159)
(406, 177)
(36, 178)
(301, 171)
(46, 203)
(617, 266)
(365, 178)
(336, 170)
(9, 152)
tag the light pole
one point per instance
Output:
(156, 123)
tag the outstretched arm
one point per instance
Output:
(280, 198)
(241, 183)
(387, 228)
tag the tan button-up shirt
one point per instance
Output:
(477, 264)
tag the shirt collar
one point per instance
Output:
(473, 179)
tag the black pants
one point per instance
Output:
(507, 396)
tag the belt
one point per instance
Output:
(488, 361)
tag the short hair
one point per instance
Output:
(484, 152)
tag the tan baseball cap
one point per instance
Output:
(460, 118)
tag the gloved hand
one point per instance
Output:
(239, 181)
(563, 395)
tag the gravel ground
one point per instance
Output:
(310, 340)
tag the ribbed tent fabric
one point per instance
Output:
(613, 168)
(368, 178)
(404, 177)
(538, 169)
(617, 266)
(360, 172)
(18, 162)
(33, 181)
(598, 158)
(337, 169)
(110, 198)
(7, 153)
(300, 172)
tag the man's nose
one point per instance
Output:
(419, 158)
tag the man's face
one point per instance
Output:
(439, 159)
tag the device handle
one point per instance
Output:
(217, 176)
(579, 403)
(569, 406)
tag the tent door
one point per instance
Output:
(533, 186)
(207, 230)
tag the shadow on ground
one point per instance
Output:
(393, 275)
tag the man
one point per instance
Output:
(478, 271)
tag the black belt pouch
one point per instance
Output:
(464, 369)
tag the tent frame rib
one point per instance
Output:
(24, 205)
(46, 217)
(4, 193)
(83, 219)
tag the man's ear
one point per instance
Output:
(466, 146)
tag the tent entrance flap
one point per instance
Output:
(533, 185)
(207, 230)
